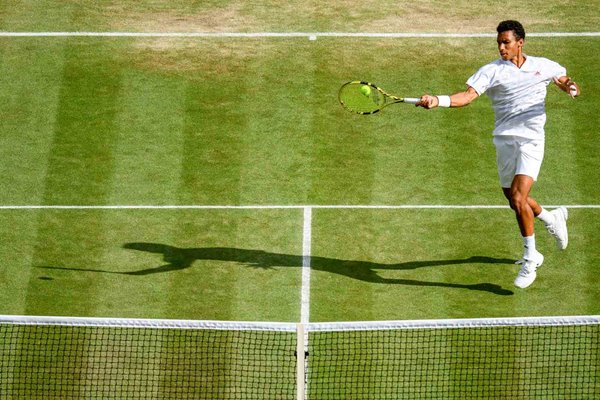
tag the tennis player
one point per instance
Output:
(516, 85)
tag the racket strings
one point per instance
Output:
(361, 98)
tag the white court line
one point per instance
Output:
(267, 207)
(311, 35)
(306, 254)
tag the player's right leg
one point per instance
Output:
(518, 163)
(524, 206)
(528, 271)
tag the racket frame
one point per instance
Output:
(388, 98)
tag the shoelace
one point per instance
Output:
(527, 268)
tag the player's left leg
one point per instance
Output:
(526, 208)
(558, 227)
(530, 154)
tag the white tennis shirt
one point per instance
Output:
(517, 94)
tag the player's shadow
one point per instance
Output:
(179, 258)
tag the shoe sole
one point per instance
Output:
(565, 214)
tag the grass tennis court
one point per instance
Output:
(246, 265)
(226, 121)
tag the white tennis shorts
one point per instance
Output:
(518, 156)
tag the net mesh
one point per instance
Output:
(477, 360)
(547, 362)
(87, 362)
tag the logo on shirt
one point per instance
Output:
(537, 73)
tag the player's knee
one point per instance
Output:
(517, 200)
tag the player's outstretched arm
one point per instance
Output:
(459, 99)
(568, 86)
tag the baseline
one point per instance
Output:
(310, 35)
(272, 206)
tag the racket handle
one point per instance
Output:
(411, 100)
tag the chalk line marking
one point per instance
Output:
(310, 35)
(306, 255)
(267, 207)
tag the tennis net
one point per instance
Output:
(89, 358)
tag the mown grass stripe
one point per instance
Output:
(149, 139)
(79, 166)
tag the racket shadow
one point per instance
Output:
(183, 258)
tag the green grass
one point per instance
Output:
(413, 264)
(123, 121)
(95, 121)
(312, 15)
(174, 121)
(157, 264)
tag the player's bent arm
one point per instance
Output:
(459, 99)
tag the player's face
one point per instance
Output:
(508, 45)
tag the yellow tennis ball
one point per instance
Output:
(366, 90)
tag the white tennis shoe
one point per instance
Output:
(558, 228)
(528, 273)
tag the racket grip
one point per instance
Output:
(411, 100)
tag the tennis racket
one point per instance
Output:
(366, 98)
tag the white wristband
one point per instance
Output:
(443, 101)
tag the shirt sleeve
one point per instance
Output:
(482, 79)
(555, 70)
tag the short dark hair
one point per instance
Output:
(514, 26)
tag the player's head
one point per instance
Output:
(514, 26)
(511, 36)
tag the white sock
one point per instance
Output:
(546, 216)
(529, 245)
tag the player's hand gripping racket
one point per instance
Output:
(366, 98)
